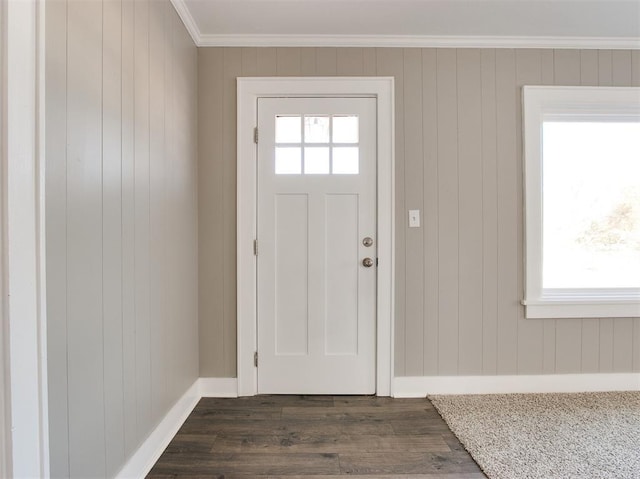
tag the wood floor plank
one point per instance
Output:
(191, 443)
(346, 426)
(386, 402)
(266, 401)
(428, 426)
(361, 413)
(253, 414)
(254, 464)
(452, 442)
(338, 444)
(314, 437)
(406, 463)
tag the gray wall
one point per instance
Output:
(459, 278)
(121, 219)
(4, 377)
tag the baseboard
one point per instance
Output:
(218, 387)
(404, 387)
(148, 453)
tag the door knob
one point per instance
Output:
(367, 262)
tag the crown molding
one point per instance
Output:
(417, 41)
(398, 41)
(187, 19)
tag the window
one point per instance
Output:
(582, 180)
(317, 145)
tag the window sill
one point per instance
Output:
(594, 308)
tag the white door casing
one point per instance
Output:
(24, 309)
(249, 91)
(316, 204)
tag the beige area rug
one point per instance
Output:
(550, 436)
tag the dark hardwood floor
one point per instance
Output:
(318, 437)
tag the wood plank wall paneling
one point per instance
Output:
(211, 283)
(232, 70)
(128, 228)
(430, 197)
(157, 208)
(489, 213)
(85, 361)
(112, 235)
(141, 103)
(4, 379)
(184, 198)
(121, 218)
(459, 278)
(413, 178)
(56, 226)
(508, 182)
(470, 209)
(448, 221)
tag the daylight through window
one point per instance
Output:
(317, 145)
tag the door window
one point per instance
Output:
(317, 145)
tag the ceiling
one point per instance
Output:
(553, 23)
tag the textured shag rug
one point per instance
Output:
(548, 436)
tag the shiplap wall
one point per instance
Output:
(121, 220)
(459, 278)
(4, 379)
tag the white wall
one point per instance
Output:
(121, 221)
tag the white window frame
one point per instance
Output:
(544, 102)
(249, 90)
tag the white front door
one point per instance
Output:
(316, 231)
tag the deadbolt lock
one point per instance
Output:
(367, 241)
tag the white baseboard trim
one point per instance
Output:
(407, 387)
(218, 387)
(151, 449)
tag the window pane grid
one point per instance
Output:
(319, 154)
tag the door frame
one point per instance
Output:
(23, 239)
(249, 90)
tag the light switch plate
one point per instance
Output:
(414, 218)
